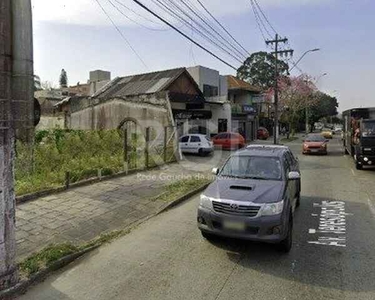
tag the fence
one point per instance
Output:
(62, 157)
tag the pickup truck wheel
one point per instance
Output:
(286, 245)
(358, 166)
(200, 152)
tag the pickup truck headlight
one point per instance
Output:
(205, 202)
(272, 209)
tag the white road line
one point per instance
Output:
(371, 205)
(353, 172)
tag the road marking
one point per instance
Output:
(371, 205)
(332, 224)
(353, 172)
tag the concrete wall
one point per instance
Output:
(99, 75)
(110, 114)
(219, 112)
(97, 85)
(49, 122)
(223, 90)
(203, 75)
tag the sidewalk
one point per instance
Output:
(83, 213)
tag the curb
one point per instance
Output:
(21, 287)
(182, 198)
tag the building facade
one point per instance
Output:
(215, 91)
(244, 99)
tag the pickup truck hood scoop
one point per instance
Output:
(247, 190)
(242, 187)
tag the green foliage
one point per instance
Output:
(82, 153)
(63, 80)
(259, 70)
(45, 258)
(326, 106)
(179, 188)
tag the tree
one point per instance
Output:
(48, 85)
(326, 106)
(295, 94)
(63, 79)
(259, 70)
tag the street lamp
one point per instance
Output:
(303, 55)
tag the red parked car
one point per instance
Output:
(229, 140)
(262, 134)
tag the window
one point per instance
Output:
(184, 139)
(223, 136)
(289, 159)
(252, 167)
(195, 139)
(286, 165)
(210, 91)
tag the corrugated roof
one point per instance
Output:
(238, 84)
(149, 83)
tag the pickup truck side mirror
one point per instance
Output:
(215, 171)
(294, 176)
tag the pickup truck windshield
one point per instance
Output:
(368, 129)
(252, 167)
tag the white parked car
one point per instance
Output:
(196, 143)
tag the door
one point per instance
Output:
(195, 144)
(291, 184)
(294, 166)
(184, 143)
(222, 125)
(219, 139)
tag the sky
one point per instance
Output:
(76, 35)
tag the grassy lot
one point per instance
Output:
(82, 154)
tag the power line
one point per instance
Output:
(136, 13)
(288, 47)
(183, 34)
(265, 17)
(122, 35)
(222, 26)
(198, 31)
(134, 21)
(260, 21)
(257, 21)
(213, 29)
(208, 35)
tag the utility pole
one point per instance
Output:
(8, 270)
(16, 117)
(276, 53)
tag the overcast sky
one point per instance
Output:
(77, 36)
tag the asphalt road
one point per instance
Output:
(166, 257)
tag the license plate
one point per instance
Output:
(314, 150)
(231, 225)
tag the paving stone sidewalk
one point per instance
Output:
(83, 213)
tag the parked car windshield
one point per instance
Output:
(314, 138)
(252, 167)
(368, 129)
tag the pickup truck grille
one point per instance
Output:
(240, 210)
(368, 151)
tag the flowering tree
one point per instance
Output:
(295, 94)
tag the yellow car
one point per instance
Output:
(327, 133)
